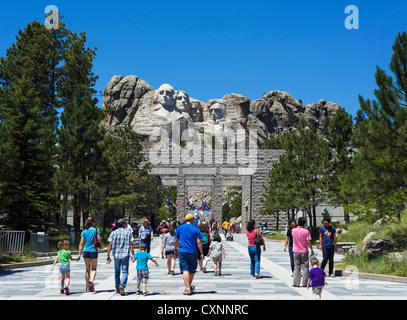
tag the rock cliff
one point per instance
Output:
(132, 101)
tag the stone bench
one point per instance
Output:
(343, 247)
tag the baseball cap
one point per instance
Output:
(189, 216)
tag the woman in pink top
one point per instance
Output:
(254, 251)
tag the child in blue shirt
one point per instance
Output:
(143, 274)
(317, 276)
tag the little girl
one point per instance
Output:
(216, 249)
(64, 255)
(316, 278)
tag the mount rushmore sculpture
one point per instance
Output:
(131, 101)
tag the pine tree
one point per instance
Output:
(339, 135)
(298, 179)
(125, 179)
(80, 135)
(28, 119)
(380, 176)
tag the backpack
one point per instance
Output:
(205, 240)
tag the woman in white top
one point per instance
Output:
(168, 246)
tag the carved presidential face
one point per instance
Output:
(165, 95)
(182, 101)
(216, 112)
(196, 111)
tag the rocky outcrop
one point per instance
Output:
(132, 101)
(377, 246)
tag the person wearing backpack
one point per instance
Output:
(206, 242)
(256, 240)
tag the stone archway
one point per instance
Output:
(217, 175)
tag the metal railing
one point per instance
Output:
(12, 241)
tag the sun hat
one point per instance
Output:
(189, 216)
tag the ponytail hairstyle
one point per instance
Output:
(250, 225)
(217, 237)
(88, 222)
(62, 243)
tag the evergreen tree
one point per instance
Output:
(80, 135)
(28, 118)
(300, 174)
(125, 179)
(380, 176)
(339, 136)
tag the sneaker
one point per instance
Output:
(144, 293)
(66, 290)
(173, 272)
(121, 290)
(138, 292)
(216, 273)
(219, 273)
(257, 276)
(91, 287)
(61, 291)
(204, 269)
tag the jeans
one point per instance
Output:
(121, 265)
(328, 254)
(148, 243)
(290, 252)
(301, 268)
(254, 253)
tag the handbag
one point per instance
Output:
(258, 241)
(96, 243)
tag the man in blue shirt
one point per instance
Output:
(187, 242)
(327, 243)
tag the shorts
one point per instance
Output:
(217, 260)
(188, 261)
(90, 255)
(64, 268)
(317, 290)
(142, 276)
(167, 253)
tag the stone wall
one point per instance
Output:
(216, 169)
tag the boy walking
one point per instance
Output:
(317, 275)
(327, 243)
(143, 273)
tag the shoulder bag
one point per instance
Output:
(258, 240)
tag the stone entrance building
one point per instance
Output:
(216, 169)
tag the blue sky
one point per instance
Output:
(212, 48)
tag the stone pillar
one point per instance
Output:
(216, 197)
(247, 213)
(181, 195)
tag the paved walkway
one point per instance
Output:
(39, 283)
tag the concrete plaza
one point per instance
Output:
(235, 283)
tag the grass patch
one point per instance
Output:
(381, 264)
(395, 231)
(277, 236)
